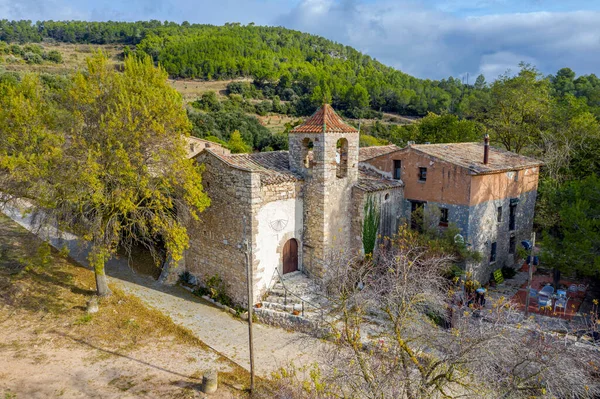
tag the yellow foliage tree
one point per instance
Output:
(122, 176)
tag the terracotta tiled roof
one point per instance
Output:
(371, 182)
(470, 156)
(273, 166)
(324, 120)
(365, 153)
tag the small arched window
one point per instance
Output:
(341, 158)
(307, 153)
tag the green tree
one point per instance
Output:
(519, 108)
(571, 226)
(124, 176)
(564, 82)
(236, 144)
(29, 145)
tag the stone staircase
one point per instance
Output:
(290, 302)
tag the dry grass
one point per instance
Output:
(45, 294)
(192, 89)
(37, 281)
(74, 58)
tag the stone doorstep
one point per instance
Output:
(281, 307)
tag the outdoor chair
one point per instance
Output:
(582, 287)
(533, 294)
(547, 290)
(543, 301)
(561, 293)
(561, 303)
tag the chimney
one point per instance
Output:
(486, 149)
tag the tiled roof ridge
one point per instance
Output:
(324, 120)
(366, 153)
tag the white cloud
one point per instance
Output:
(425, 38)
(426, 42)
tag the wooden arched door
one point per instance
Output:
(290, 256)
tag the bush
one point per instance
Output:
(186, 277)
(508, 272)
(33, 58)
(15, 49)
(33, 48)
(54, 56)
(217, 290)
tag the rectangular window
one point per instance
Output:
(512, 245)
(493, 253)
(422, 174)
(499, 214)
(397, 169)
(444, 217)
(512, 217)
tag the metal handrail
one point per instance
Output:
(286, 290)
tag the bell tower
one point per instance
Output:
(324, 150)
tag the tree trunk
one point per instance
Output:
(101, 282)
(556, 278)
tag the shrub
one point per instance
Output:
(508, 272)
(33, 58)
(33, 48)
(186, 277)
(54, 56)
(15, 49)
(217, 290)
(370, 226)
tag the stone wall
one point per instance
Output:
(327, 198)
(391, 210)
(484, 229)
(216, 239)
(273, 215)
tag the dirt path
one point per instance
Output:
(274, 347)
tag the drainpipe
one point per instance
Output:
(486, 149)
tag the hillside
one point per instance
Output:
(230, 74)
(287, 63)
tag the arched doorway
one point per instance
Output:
(290, 256)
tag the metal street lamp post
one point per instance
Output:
(529, 247)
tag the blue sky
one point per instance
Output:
(425, 38)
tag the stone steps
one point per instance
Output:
(287, 296)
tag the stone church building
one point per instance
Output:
(294, 207)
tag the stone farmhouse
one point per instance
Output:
(488, 193)
(295, 207)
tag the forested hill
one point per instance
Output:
(300, 69)
(289, 63)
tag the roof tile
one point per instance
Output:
(470, 156)
(324, 120)
(365, 153)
